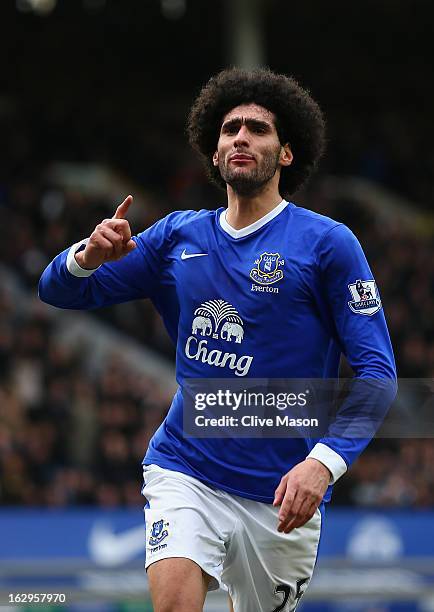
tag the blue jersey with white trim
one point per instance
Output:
(282, 298)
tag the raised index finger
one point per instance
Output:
(122, 209)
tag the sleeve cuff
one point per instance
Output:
(331, 459)
(71, 262)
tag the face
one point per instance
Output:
(249, 153)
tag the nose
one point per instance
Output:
(241, 138)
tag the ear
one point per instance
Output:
(215, 159)
(286, 155)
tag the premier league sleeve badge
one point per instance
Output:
(365, 297)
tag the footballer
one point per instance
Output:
(259, 288)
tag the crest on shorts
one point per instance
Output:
(158, 532)
(267, 269)
(365, 297)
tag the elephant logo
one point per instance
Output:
(232, 329)
(203, 324)
(218, 319)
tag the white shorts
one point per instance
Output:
(234, 540)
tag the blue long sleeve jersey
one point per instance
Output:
(281, 298)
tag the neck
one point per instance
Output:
(245, 210)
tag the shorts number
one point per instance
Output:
(286, 590)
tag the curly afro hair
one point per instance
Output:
(299, 120)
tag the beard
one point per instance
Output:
(250, 182)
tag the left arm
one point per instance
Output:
(360, 328)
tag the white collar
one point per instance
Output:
(249, 229)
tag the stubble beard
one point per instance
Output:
(250, 183)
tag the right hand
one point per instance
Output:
(110, 240)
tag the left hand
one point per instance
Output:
(300, 492)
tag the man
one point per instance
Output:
(260, 289)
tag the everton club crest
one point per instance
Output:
(365, 297)
(267, 269)
(158, 532)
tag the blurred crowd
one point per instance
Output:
(391, 473)
(71, 437)
(67, 437)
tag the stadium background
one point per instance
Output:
(93, 101)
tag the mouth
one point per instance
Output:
(241, 158)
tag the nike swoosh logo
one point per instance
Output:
(112, 549)
(185, 256)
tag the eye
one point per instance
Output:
(230, 129)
